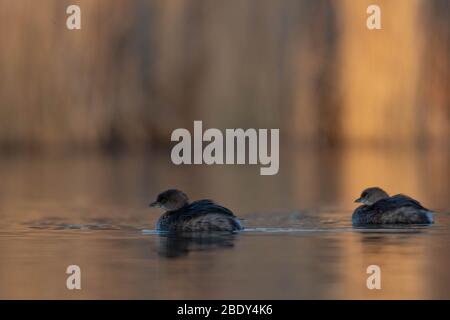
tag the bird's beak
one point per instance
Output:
(359, 200)
(154, 204)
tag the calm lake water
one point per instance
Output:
(92, 211)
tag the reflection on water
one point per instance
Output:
(175, 245)
(298, 243)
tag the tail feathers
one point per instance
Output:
(429, 216)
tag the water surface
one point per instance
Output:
(298, 243)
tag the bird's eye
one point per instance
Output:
(364, 194)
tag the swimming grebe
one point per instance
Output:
(198, 216)
(379, 208)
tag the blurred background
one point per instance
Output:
(86, 118)
(139, 69)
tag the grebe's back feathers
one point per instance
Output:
(398, 209)
(202, 207)
(399, 200)
(200, 215)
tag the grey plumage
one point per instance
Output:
(398, 209)
(201, 215)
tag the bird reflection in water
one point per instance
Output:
(172, 245)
